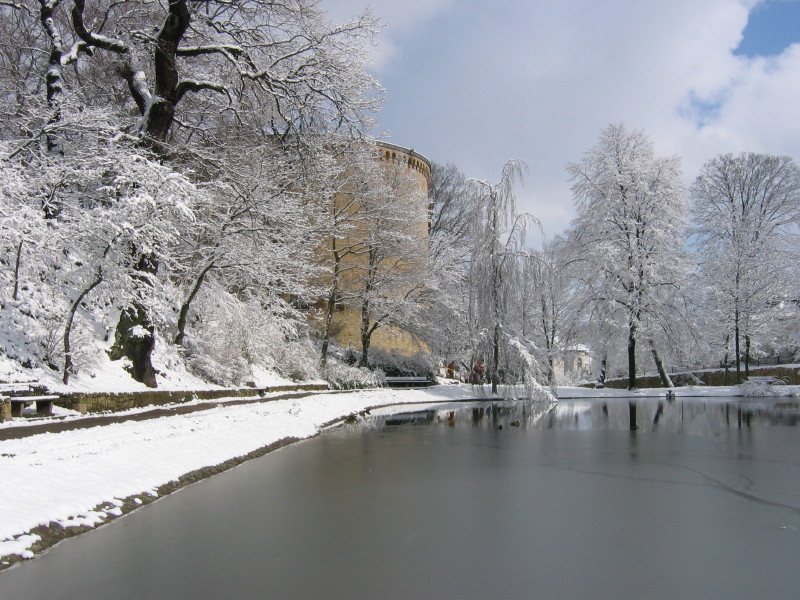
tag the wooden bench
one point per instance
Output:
(408, 382)
(22, 395)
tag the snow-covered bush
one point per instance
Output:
(757, 388)
(298, 360)
(342, 376)
(228, 337)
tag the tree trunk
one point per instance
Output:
(326, 329)
(747, 356)
(601, 377)
(662, 371)
(632, 331)
(161, 113)
(54, 85)
(549, 341)
(495, 357)
(333, 296)
(496, 282)
(68, 364)
(15, 294)
(737, 349)
(184, 313)
(366, 335)
(134, 338)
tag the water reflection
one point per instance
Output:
(699, 416)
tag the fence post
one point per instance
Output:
(5, 409)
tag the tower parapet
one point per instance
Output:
(413, 159)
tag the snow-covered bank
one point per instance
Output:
(65, 477)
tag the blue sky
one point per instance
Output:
(477, 83)
(771, 28)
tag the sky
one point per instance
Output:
(478, 83)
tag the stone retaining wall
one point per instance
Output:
(790, 375)
(97, 402)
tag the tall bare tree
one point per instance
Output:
(746, 212)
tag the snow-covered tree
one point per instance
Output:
(280, 58)
(252, 231)
(498, 241)
(373, 259)
(188, 78)
(746, 212)
(80, 221)
(544, 302)
(389, 282)
(343, 177)
(443, 324)
(630, 227)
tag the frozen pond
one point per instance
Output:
(594, 499)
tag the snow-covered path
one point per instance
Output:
(64, 477)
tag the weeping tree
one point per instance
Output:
(499, 239)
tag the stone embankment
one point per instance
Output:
(100, 402)
(96, 402)
(790, 375)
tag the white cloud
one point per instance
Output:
(477, 83)
(399, 18)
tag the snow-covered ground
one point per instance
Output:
(81, 476)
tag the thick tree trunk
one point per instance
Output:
(666, 381)
(134, 338)
(161, 112)
(54, 86)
